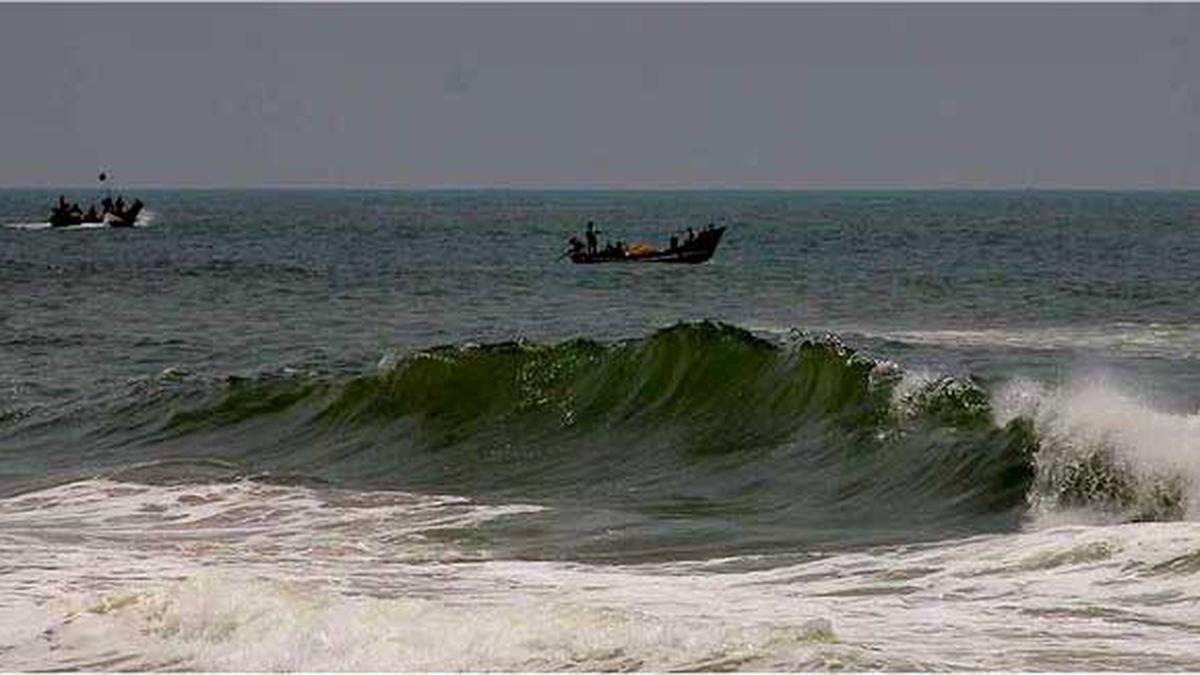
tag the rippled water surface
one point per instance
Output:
(373, 430)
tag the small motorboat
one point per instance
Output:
(692, 251)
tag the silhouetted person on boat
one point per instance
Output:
(674, 242)
(91, 216)
(591, 238)
(62, 203)
(691, 236)
(120, 208)
(106, 205)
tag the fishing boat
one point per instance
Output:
(113, 214)
(692, 251)
(117, 215)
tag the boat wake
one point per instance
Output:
(145, 218)
(33, 226)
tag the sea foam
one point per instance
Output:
(1093, 433)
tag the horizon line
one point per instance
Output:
(595, 188)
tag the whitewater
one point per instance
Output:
(378, 430)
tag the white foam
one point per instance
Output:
(145, 218)
(1093, 412)
(245, 577)
(1130, 339)
(1069, 598)
(911, 383)
(219, 623)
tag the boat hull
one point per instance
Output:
(64, 220)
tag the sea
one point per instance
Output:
(384, 430)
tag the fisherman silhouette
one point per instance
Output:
(591, 238)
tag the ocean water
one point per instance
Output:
(384, 430)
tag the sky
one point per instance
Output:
(791, 96)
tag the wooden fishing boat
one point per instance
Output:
(697, 250)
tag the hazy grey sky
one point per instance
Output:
(793, 96)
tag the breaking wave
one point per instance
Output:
(696, 438)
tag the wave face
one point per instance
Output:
(697, 439)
